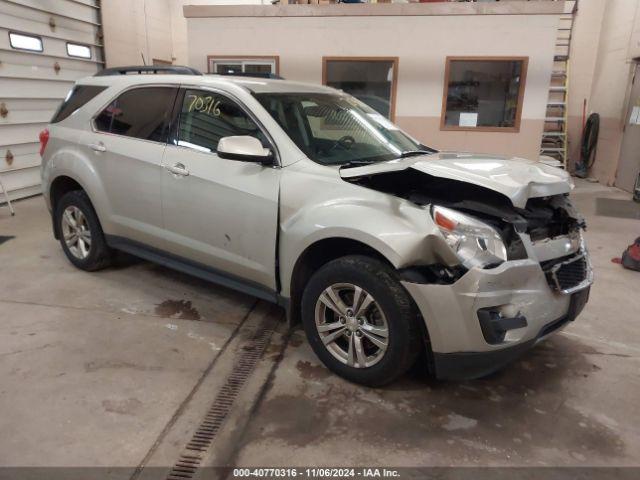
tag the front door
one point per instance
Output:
(217, 212)
(629, 165)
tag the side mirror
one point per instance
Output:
(244, 149)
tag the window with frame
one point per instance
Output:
(243, 66)
(206, 117)
(139, 113)
(78, 50)
(370, 80)
(76, 98)
(483, 93)
(23, 41)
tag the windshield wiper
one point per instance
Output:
(413, 153)
(357, 163)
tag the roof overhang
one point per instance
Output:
(377, 9)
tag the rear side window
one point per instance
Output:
(140, 113)
(206, 117)
(77, 97)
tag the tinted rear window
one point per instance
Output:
(139, 113)
(78, 96)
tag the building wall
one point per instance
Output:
(608, 36)
(136, 28)
(156, 29)
(179, 23)
(421, 43)
(584, 53)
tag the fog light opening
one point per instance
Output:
(495, 325)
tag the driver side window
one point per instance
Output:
(206, 117)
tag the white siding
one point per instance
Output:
(30, 87)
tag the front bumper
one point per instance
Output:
(469, 365)
(515, 288)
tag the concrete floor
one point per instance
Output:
(116, 368)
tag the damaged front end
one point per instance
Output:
(522, 273)
(547, 229)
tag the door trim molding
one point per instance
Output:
(192, 268)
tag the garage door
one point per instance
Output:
(45, 45)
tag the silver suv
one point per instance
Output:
(385, 249)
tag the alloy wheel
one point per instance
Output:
(76, 232)
(351, 325)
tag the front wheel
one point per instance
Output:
(360, 321)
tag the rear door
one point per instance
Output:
(217, 212)
(127, 141)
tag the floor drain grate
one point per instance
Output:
(245, 361)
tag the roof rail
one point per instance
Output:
(272, 76)
(148, 69)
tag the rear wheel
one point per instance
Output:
(80, 233)
(360, 321)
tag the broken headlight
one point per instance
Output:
(476, 243)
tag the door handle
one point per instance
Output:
(178, 169)
(98, 147)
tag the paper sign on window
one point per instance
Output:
(468, 119)
(635, 116)
(382, 121)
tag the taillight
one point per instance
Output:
(44, 138)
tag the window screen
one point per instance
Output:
(139, 113)
(206, 117)
(77, 97)
(370, 81)
(484, 93)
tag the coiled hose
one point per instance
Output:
(588, 145)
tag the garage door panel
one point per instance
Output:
(34, 72)
(20, 162)
(32, 84)
(51, 46)
(34, 89)
(20, 149)
(24, 12)
(14, 57)
(17, 179)
(10, 134)
(25, 105)
(44, 29)
(23, 117)
(91, 3)
(62, 8)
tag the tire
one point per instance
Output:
(96, 254)
(391, 305)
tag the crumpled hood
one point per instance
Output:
(516, 178)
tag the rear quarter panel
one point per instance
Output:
(64, 156)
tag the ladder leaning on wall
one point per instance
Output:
(554, 136)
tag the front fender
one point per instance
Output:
(399, 230)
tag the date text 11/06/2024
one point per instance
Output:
(315, 473)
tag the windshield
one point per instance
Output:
(334, 129)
